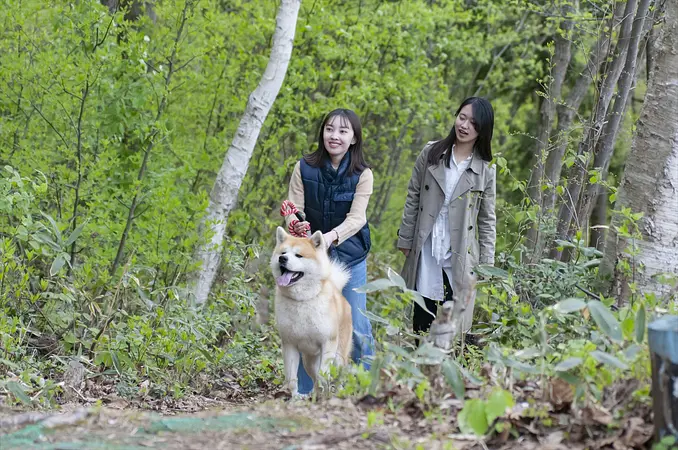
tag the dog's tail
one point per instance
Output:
(339, 274)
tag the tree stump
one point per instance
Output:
(444, 328)
(663, 339)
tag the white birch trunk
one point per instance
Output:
(224, 193)
(650, 180)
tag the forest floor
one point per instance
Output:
(267, 422)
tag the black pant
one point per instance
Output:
(421, 320)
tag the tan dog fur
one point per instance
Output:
(312, 316)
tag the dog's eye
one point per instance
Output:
(298, 255)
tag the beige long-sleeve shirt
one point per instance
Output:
(357, 216)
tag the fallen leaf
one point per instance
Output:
(637, 432)
(597, 414)
(561, 393)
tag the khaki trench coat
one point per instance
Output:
(472, 222)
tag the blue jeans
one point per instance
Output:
(363, 341)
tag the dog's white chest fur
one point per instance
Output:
(306, 324)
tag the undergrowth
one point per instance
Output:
(539, 325)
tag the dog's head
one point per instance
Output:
(299, 261)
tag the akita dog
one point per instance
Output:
(312, 316)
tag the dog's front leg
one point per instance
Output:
(313, 364)
(291, 362)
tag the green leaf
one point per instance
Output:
(376, 285)
(570, 378)
(470, 376)
(497, 404)
(428, 354)
(18, 392)
(565, 244)
(375, 372)
(209, 356)
(527, 353)
(46, 239)
(55, 227)
(103, 357)
(9, 364)
(632, 350)
(370, 315)
(569, 305)
(419, 300)
(605, 320)
(487, 270)
(116, 362)
(396, 279)
(640, 324)
(472, 418)
(74, 235)
(521, 366)
(568, 364)
(591, 263)
(608, 359)
(57, 264)
(398, 350)
(453, 377)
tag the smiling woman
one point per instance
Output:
(332, 187)
(448, 225)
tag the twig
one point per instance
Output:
(587, 292)
(59, 420)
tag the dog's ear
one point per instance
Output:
(280, 235)
(318, 239)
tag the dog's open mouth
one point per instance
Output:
(288, 277)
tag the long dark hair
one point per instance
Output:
(483, 115)
(320, 157)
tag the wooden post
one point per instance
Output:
(663, 339)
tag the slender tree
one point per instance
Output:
(224, 194)
(604, 125)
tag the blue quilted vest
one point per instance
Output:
(328, 195)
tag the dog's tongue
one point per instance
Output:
(284, 279)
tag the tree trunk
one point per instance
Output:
(599, 218)
(561, 61)
(224, 193)
(568, 219)
(649, 181)
(605, 145)
(568, 111)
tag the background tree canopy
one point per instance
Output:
(107, 110)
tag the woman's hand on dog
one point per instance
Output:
(331, 237)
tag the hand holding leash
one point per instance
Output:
(297, 227)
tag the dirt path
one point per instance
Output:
(366, 423)
(274, 424)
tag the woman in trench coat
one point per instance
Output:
(449, 223)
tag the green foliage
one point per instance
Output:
(666, 443)
(478, 415)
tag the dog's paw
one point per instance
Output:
(300, 397)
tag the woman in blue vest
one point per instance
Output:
(332, 186)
